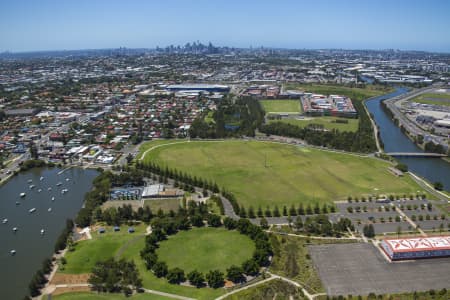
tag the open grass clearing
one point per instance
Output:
(281, 106)
(433, 98)
(327, 122)
(101, 247)
(205, 249)
(268, 174)
(165, 205)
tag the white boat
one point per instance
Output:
(39, 190)
(59, 183)
(17, 202)
(50, 209)
(42, 178)
(5, 221)
(15, 229)
(63, 191)
(42, 231)
(53, 198)
(13, 252)
(30, 180)
(49, 189)
(22, 194)
(32, 210)
(67, 179)
(32, 186)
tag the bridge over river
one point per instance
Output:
(415, 154)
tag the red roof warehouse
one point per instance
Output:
(412, 248)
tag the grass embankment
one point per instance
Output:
(281, 106)
(274, 289)
(205, 249)
(268, 174)
(327, 122)
(100, 247)
(107, 296)
(433, 98)
(291, 259)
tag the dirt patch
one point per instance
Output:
(228, 284)
(71, 289)
(60, 278)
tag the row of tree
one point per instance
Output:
(186, 179)
(291, 211)
(40, 278)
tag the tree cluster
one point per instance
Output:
(115, 276)
(321, 225)
(369, 231)
(233, 118)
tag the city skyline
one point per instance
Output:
(51, 25)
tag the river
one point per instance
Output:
(32, 247)
(432, 169)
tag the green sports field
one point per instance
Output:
(433, 98)
(327, 122)
(268, 174)
(150, 281)
(281, 106)
(205, 249)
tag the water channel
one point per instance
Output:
(432, 169)
(30, 245)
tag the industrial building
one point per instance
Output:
(333, 105)
(199, 87)
(416, 248)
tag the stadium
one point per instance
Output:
(416, 248)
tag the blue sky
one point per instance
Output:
(87, 24)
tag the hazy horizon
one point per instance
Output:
(50, 25)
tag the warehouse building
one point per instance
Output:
(416, 248)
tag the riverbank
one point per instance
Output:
(413, 131)
(394, 140)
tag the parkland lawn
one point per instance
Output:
(281, 106)
(101, 247)
(327, 122)
(433, 98)
(268, 174)
(206, 249)
(125, 245)
(107, 296)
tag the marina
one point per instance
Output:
(36, 220)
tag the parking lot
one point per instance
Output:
(360, 269)
(386, 220)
